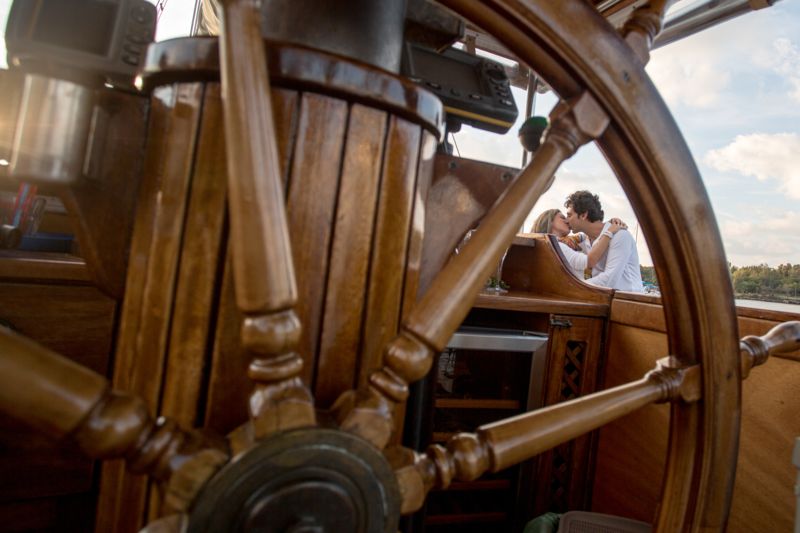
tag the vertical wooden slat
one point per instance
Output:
(352, 237)
(389, 247)
(194, 295)
(311, 202)
(198, 270)
(416, 235)
(284, 114)
(150, 284)
(228, 386)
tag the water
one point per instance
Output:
(774, 306)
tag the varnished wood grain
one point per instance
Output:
(448, 300)
(263, 270)
(745, 311)
(311, 203)
(390, 244)
(540, 269)
(498, 445)
(692, 268)
(643, 25)
(352, 237)
(763, 498)
(197, 59)
(285, 105)
(228, 386)
(263, 266)
(782, 341)
(632, 450)
(696, 291)
(461, 193)
(200, 253)
(450, 295)
(34, 468)
(65, 400)
(640, 314)
(533, 303)
(573, 367)
(155, 249)
(416, 238)
(43, 267)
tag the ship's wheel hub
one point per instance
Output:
(301, 481)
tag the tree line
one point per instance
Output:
(759, 282)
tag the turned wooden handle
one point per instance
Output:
(499, 445)
(65, 400)
(46, 391)
(777, 342)
(262, 258)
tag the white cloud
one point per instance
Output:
(769, 239)
(691, 79)
(784, 60)
(765, 156)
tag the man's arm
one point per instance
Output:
(620, 249)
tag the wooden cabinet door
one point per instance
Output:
(573, 363)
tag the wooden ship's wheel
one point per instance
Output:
(293, 468)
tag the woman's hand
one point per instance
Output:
(616, 225)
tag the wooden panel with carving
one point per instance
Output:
(573, 368)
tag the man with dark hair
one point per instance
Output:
(619, 268)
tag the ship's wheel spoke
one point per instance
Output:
(276, 472)
(499, 445)
(409, 356)
(67, 401)
(266, 290)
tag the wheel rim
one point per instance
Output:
(657, 172)
(576, 52)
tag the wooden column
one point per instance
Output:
(355, 151)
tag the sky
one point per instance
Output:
(734, 91)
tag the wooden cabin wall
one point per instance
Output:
(632, 450)
(45, 486)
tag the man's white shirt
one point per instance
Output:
(619, 267)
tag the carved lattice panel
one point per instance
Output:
(571, 378)
(572, 368)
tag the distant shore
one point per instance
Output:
(769, 298)
(789, 307)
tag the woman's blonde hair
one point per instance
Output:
(544, 222)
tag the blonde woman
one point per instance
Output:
(578, 251)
